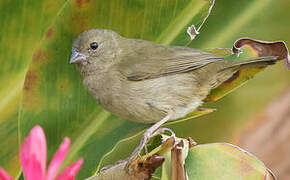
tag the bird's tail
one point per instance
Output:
(231, 69)
(259, 62)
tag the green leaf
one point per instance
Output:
(23, 25)
(198, 112)
(224, 161)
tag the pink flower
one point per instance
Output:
(33, 159)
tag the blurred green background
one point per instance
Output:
(36, 38)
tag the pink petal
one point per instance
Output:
(33, 155)
(71, 171)
(4, 175)
(34, 171)
(58, 159)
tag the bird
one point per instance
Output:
(147, 82)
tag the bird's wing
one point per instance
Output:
(149, 60)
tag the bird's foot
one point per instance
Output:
(138, 149)
(149, 133)
(145, 138)
(143, 144)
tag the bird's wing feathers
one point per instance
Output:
(147, 61)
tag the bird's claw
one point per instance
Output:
(146, 136)
(137, 151)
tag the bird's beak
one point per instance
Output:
(76, 57)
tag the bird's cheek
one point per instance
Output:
(85, 63)
(88, 61)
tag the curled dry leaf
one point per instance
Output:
(174, 166)
(144, 169)
(178, 171)
(263, 48)
(191, 142)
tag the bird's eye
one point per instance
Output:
(94, 45)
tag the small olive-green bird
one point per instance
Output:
(146, 82)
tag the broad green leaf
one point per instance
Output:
(9, 145)
(23, 25)
(224, 161)
(53, 94)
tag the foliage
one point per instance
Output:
(183, 158)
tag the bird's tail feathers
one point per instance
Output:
(259, 62)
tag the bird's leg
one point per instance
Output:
(146, 136)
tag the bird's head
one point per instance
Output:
(95, 47)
